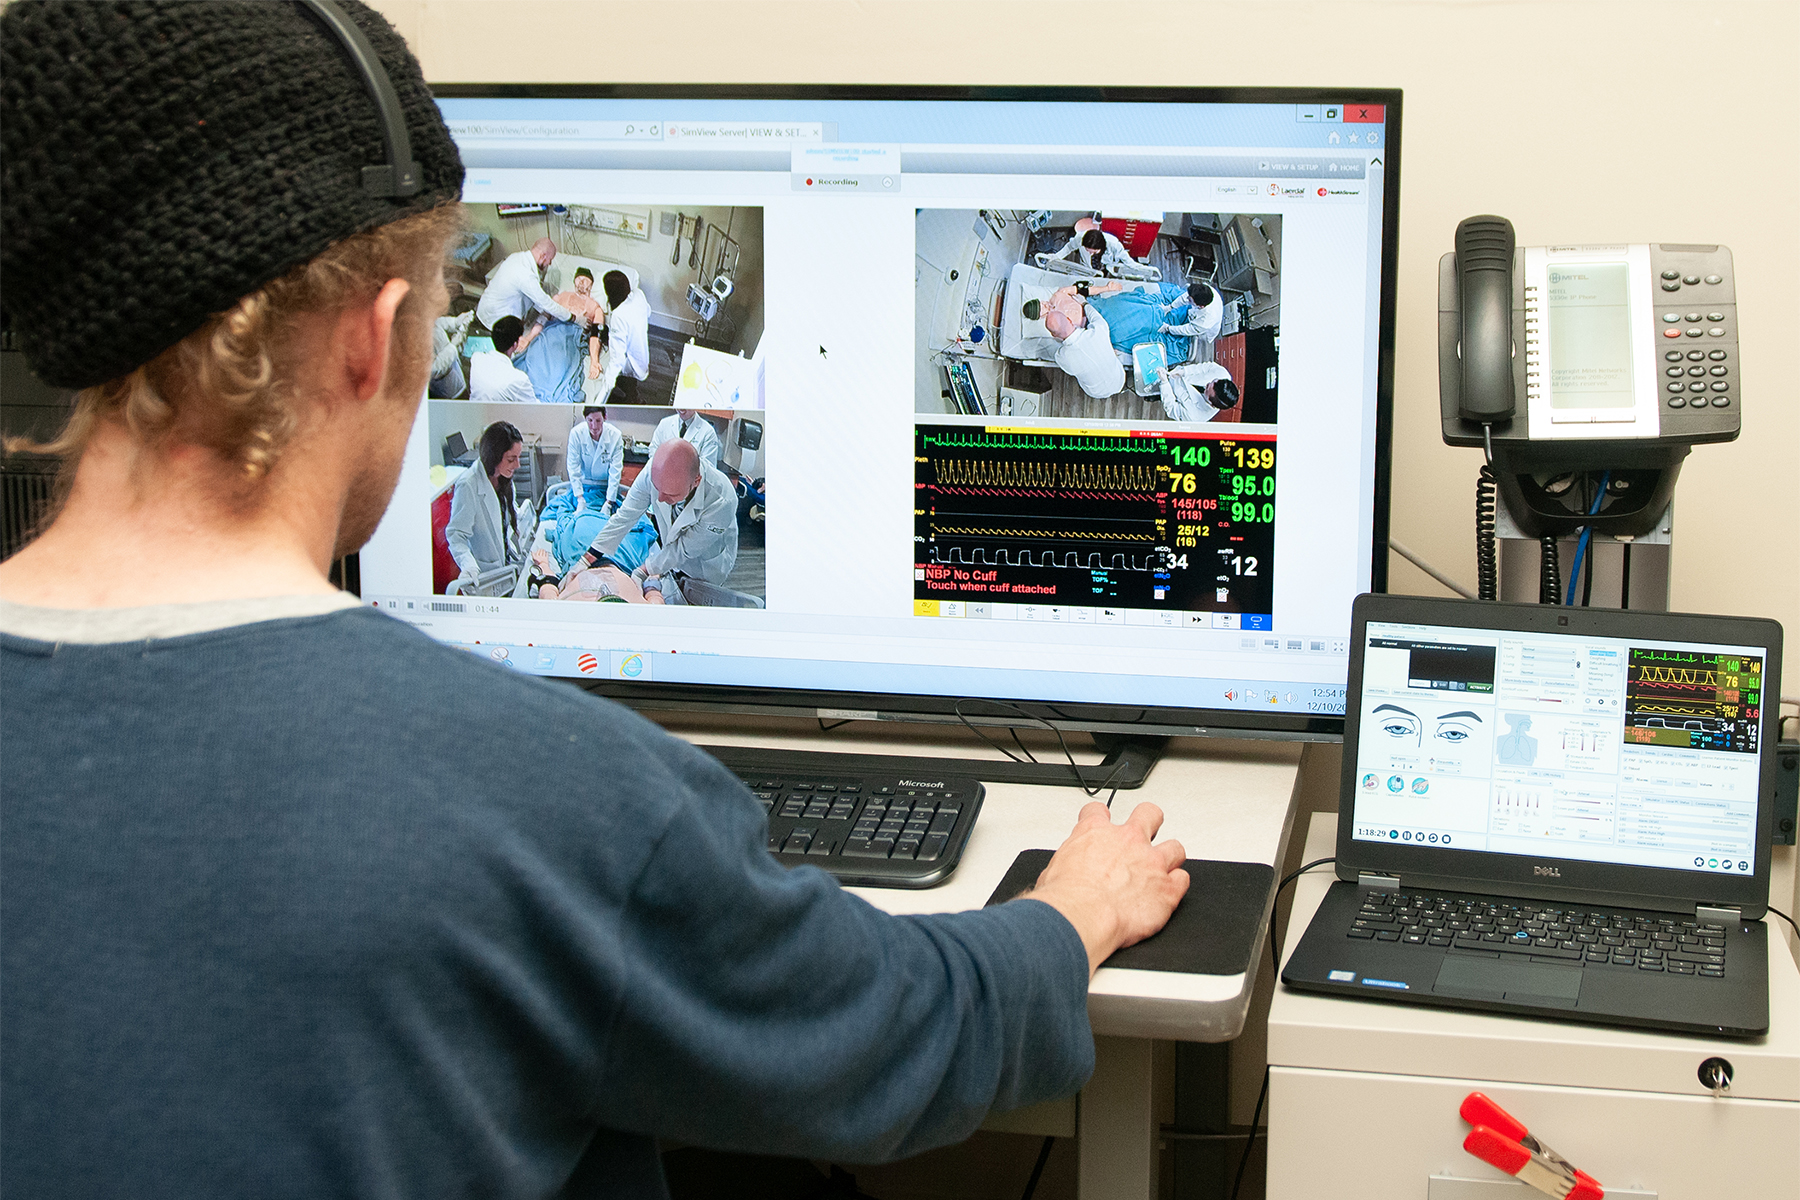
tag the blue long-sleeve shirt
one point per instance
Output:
(318, 907)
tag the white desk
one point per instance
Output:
(1363, 1095)
(1222, 800)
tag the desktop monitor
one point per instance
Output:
(1016, 405)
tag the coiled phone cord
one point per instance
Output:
(1487, 569)
(1549, 571)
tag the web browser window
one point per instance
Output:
(1060, 401)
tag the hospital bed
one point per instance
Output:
(1029, 342)
(561, 278)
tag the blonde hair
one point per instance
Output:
(224, 382)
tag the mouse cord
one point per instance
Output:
(1784, 917)
(1275, 957)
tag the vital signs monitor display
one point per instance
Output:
(886, 400)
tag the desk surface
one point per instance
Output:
(1307, 1030)
(1220, 799)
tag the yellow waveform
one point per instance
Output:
(1681, 675)
(1103, 477)
(1039, 533)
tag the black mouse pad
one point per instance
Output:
(1213, 927)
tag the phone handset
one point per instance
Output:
(1484, 283)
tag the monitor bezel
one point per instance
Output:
(1072, 715)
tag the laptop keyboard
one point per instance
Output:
(1567, 934)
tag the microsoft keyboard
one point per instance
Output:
(869, 830)
(1575, 936)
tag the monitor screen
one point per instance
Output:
(1072, 402)
(1635, 751)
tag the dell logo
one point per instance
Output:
(1553, 872)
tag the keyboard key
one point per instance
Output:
(933, 847)
(862, 848)
(1387, 935)
(944, 822)
(798, 841)
(1713, 972)
(822, 846)
(1650, 966)
(1362, 933)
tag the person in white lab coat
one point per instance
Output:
(1197, 391)
(492, 377)
(629, 336)
(1092, 246)
(595, 460)
(447, 334)
(694, 509)
(517, 288)
(689, 424)
(1086, 351)
(1202, 314)
(483, 531)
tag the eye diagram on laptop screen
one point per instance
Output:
(1418, 734)
(1694, 701)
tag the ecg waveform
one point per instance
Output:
(1135, 520)
(1693, 700)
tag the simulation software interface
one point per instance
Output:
(1071, 401)
(1598, 749)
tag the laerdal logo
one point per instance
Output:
(916, 783)
(1553, 872)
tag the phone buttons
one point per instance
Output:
(1719, 385)
(1715, 331)
(1673, 356)
(1671, 333)
(1694, 355)
(1718, 370)
(1715, 316)
(1715, 279)
(1671, 318)
(1696, 371)
(1672, 286)
(1720, 401)
(1690, 279)
(1677, 401)
(1696, 387)
(1677, 387)
(1677, 370)
(1715, 355)
(1694, 317)
(1698, 332)
(1671, 274)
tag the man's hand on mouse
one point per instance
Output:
(1111, 882)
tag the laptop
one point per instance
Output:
(1553, 812)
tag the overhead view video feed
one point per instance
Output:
(1126, 315)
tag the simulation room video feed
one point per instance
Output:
(577, 304)
(621, 504)
(1127, 315)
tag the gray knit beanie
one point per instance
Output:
(161, 159)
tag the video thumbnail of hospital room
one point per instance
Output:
(1098, 315)
(559, 502)
(582, 304)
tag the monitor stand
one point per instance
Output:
(1127, 764)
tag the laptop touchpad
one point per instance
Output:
(1521, 983)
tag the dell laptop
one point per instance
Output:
(1555, 812)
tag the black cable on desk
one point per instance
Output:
(1275, 956)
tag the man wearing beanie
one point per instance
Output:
(263, 933)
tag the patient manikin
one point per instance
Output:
(587, 309)
(605, 583)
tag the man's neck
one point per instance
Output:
(141, 528)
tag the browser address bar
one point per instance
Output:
(587, 131)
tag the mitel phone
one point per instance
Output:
(1604, 359)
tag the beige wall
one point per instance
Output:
(1581, 120)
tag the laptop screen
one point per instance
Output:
(1560, 745)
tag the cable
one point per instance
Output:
(1430, 570)
(1275, 961)
(1624, 576)
(1487, 566)
(1784, 917)
(824, 728)
(1581, 546)
(1549, 572)
(1092, 789)
(1038, 1170)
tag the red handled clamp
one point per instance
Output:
(1502, 1141)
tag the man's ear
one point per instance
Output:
(366, 334)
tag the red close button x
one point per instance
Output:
(1368, 114)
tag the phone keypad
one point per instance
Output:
(1696, 377)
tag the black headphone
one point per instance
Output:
(399, 176)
